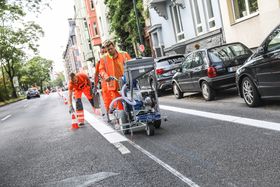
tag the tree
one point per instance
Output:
(60, 79)
(123, 22)
(17, 36)
(37, 71)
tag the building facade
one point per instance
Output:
(177, 25)
(249, 21)
(83, 37)
(93, 27)
(71, 54)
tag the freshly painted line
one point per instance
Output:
(121, 148)
(115, 138)
(229, 118)
(3, 119)
(103, 128)
(166, 166)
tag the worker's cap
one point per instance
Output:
(107, 43)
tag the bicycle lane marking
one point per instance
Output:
(114, 137)
(223, 117)
(5, 118)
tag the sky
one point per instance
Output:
(54, 22)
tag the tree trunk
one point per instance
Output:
(4, 80)
(9, 71)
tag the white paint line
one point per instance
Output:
(103, 128)
(229, 118)
(121, 148)
(115, 138)
(166, 166)
(3, 119)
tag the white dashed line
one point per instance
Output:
(121, 148)
(229, 118)
(3, 119)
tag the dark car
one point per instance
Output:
(165, 69)
(259, 77)
(209, 70)
(32, 92)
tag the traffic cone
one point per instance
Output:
(74, 122)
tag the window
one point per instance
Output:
(197, 17)
(198, 59)
(210, 14)
(177, 22)
(95, 28)
(274, 43)
(244, 8)
(187, 63)
(92, 4)
(101, 24)
(156, 45)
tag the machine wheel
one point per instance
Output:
(250, 93)
(150, 129)
(207, 92)
(122, 120)
(177, 92)
(157, 124)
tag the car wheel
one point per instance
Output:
(250, 93)
(177, 92)
(207, 92)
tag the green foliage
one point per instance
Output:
(36, 71)
(60, 79)
(16, 38)
(123, 22)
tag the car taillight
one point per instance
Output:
(159, 71)
(211, 72)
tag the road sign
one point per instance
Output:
(141, 48)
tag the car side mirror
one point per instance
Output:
(260, 50)
(179, 69)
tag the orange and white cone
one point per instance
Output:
(65, 101)
(74, 122)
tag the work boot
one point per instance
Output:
(81, 124)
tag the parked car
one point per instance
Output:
(165, 69)
(209, 70)
(259, 77)
(32, 92)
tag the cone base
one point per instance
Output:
(75, 126)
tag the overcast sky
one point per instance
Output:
(55, 25)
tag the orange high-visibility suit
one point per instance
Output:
(82, 86)
(110, 66)
(104, 88)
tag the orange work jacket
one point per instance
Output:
(110, 66)
(83, 81)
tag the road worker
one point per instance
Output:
(79, 83)
(97, 77)
(112, 65)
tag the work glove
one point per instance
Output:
(111, 78)
(94, 90)
(71, 109)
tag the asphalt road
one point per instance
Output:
(192, 148)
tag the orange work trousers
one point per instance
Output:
(79, 105)
(109, 95)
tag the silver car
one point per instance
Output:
(165, 69)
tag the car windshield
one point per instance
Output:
(170, 60)
(227, 53)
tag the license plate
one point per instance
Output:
(233, 69)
